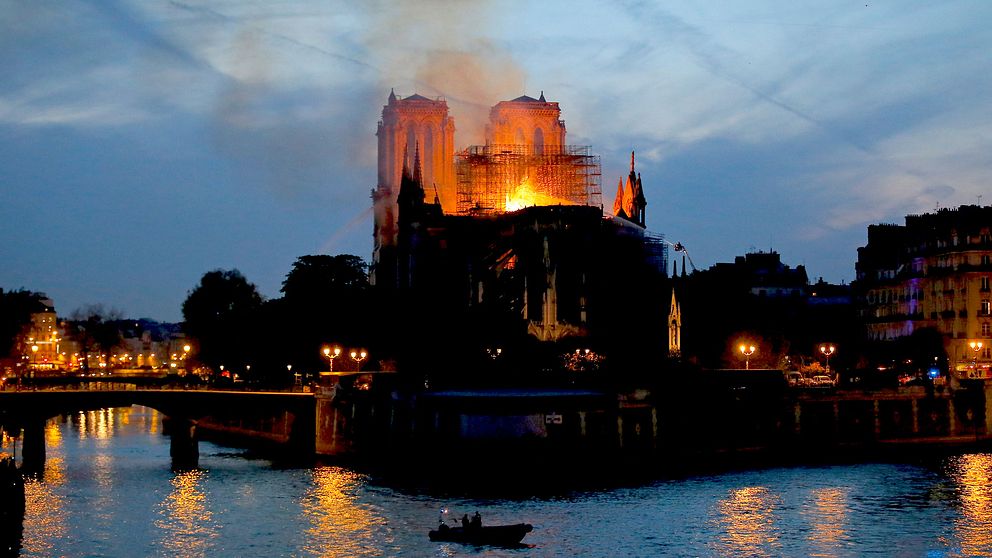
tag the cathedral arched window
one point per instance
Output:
(539, 141)
(519, 138)
(427, 157)
(411, 143)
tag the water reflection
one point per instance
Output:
(45, 515)
(748, 523)
(53, 435)
(186, 519)
(972, 473)
(97, 424)
(339, 525)
(828, 518)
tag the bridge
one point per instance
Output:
(289, 417)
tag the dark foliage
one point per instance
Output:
(16, 308)
(222, 314)
(96, 329)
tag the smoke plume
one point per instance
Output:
(442, 48)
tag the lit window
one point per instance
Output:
(986, 307)
(986, 329)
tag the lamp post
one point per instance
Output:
(977, 347)
(746, 351)
(332, 354)
(827, 351)
(34, 360)
(358, 357)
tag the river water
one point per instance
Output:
(108, 490)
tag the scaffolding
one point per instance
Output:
(501, 178)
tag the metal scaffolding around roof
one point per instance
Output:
(498, 178)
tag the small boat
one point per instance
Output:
(495, 535)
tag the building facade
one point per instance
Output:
(933, 272)
(527, 255)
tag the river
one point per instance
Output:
(108, 490)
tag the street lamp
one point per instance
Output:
(358, 357)
(34, 360)
(827, 351)
(977, 347)
(746, 351)
(333, 354)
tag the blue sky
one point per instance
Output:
(145, 142)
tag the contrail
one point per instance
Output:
(358, 219)
(228, 19)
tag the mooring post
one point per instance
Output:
(33, 446)
(988, 408)
(183, 445)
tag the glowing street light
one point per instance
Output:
(332, 354)
(358, 357)
(977, 347)
(827, 351)
(746, 351)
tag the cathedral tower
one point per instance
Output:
(526, 121)
(409, 122)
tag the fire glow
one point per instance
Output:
(526, 195)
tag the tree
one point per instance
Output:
(326, 302)
(16, 308)
(220, 314)
(96, 329)
(326, 276)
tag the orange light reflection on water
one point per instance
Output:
(340, 526)
(186, 520)
(828, 518)
(45, 515)
(747, 519)
(972, 475)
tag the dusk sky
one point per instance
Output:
(145, 142)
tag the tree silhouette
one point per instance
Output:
(96, 329)
(16, 308)
(221, 314)
(326, 302)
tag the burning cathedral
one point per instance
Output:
(511, 235)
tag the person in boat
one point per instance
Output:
(477, 521)
(465, 521)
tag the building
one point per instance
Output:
(40, 343)
(526, 248)
(933, 273)
(524, 162)
(758, 300)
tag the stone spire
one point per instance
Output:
(628, 198)
(418, 175)
(618, 202)
(411, 194)
(640, 202)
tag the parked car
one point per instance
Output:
(822, 381)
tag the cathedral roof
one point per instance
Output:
(525, 99)
(416, 97)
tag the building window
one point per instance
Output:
(985, 283)
(985, 259)
(986, 329)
